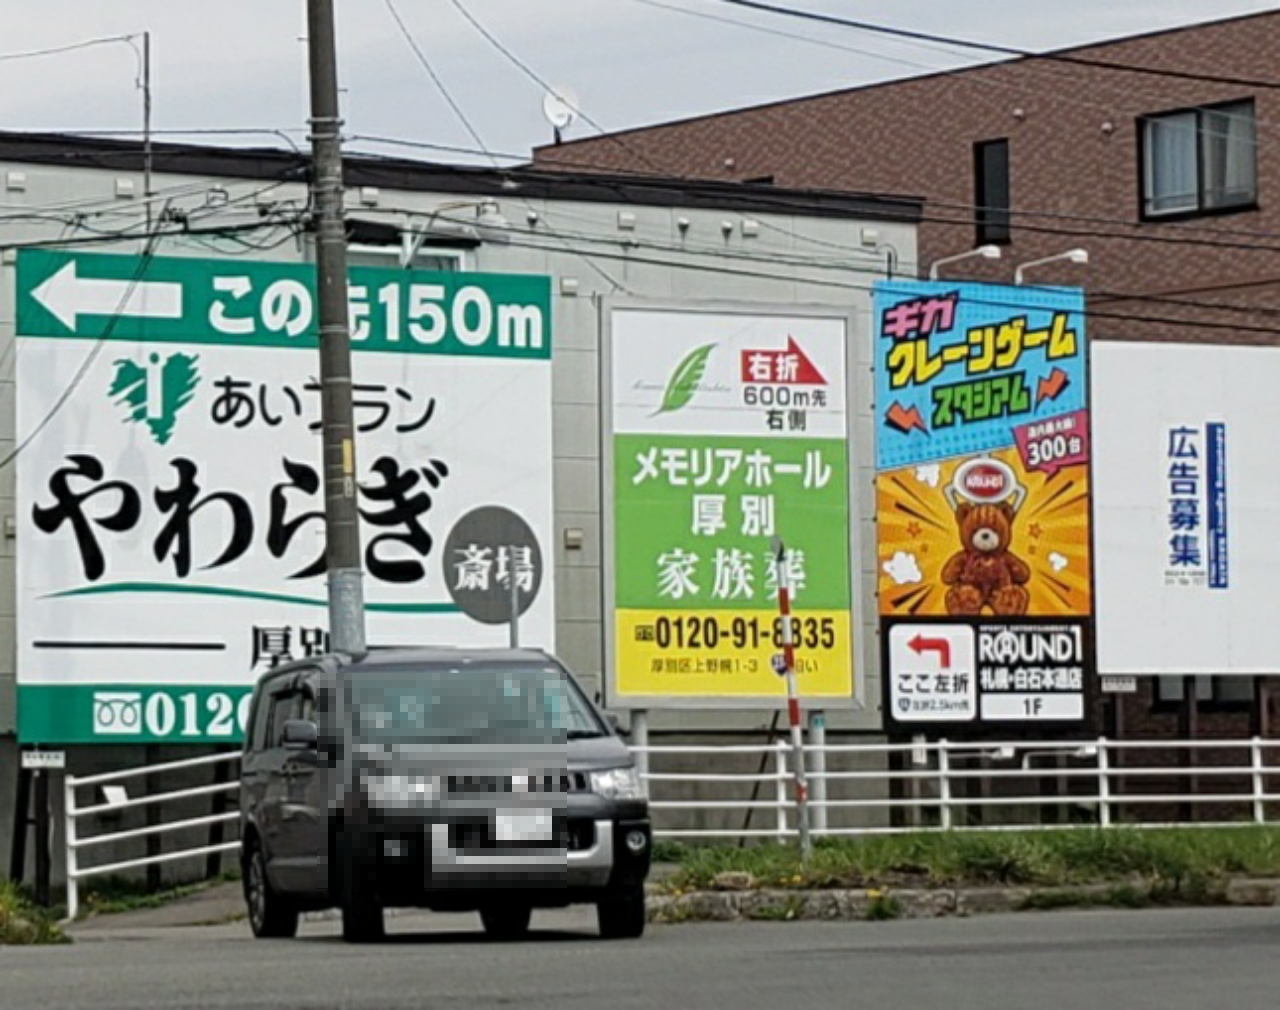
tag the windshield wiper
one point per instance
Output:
(585, 734)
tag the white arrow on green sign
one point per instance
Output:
(68, 296)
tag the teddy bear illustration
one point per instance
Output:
(984, 573)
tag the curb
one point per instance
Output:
(776, 904)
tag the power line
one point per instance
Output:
(763, 30)
(108, 238)
(613, 282)
(282, 133)
(984, 80)
(424, 146)
(143, 261)
(783, 201)
(439, 83)
(796, 202)
(537, 79)
(990, 47)
(565, 238)
(849, 286)
(71, 47)
(1014, 212)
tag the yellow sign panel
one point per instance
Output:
(1045, 540)
(728, 653)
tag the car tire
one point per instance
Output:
(362, 920)
(506, 921)
(270, 915)
(622, 914)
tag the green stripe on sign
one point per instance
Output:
(132, 713)
(98, 296)
(163, 588)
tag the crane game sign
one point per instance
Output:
(983, 505)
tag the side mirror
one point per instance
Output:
(613, 720)
(301, 734)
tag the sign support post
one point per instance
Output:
(515, 598)
(41, 781)
(788, 670)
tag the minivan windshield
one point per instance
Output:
(468, 703)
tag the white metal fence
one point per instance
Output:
(946, 785)
(115, 801)
(717, 791)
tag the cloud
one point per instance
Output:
(930, 474)
(904, 569)
(1058, 561)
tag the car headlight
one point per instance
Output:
(618, 784)
(389, 789)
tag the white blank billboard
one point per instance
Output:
(1187, 508)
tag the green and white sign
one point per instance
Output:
(728, 429)
(170, 491)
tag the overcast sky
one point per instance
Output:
(240, 64)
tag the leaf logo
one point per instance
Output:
(684, 380)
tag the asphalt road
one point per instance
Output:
(1164, 960)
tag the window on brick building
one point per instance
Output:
(991, 190)
(1198, 161)
(1211, 692)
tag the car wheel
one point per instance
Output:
(506, 922)
(361, 910)
(270, 916)
(622, 914)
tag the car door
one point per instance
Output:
(303, 828)
(255, 762)
(282, 701)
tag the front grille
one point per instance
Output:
(541, 783)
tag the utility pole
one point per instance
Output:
(342, 517)
(146, 125)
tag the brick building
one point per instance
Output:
(1155, 153)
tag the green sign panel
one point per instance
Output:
(257, 304)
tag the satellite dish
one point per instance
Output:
(560, 107)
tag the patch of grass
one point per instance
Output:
(670, 852)
(22, 923)
(1175, 864)
(883, 906)
(110, 895)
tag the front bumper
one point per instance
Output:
(435, 865)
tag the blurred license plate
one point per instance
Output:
(523, 826)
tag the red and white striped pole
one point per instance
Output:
(787, 642)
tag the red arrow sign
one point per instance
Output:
(791, 367)
(920, 645)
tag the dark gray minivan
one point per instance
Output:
(450, 779)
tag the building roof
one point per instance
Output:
(1068, 54)
(76, 151)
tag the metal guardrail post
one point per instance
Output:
(69, 835)
(1259, 784)
(640, 740)
(1104, 783)
(818, 745)
(780, 793)
(944, 784)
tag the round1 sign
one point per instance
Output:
(984, 481)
